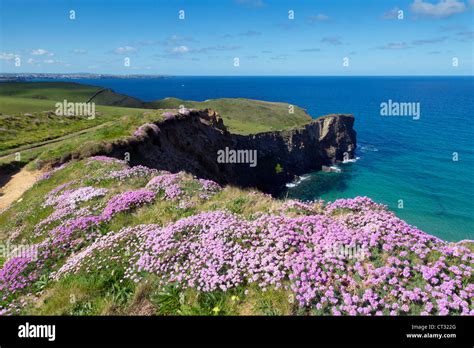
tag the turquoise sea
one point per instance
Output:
(399, 158)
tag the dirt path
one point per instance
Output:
(14, 188)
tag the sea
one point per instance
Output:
(420, 165)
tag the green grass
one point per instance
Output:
(29, 121)
(72, 92)
(55, 91)
(245, 116)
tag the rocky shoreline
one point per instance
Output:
(190, 140)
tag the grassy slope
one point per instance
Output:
(245, 116)
(102, 294)
(26, 111)
(25, 122)
(58, 91)
(101, 291)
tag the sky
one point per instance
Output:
(238, 37)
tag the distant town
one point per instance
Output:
(72, 76)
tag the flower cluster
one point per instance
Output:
(106, 159)
(126, 201)
(13, 276)
(209, 188)
(218, 251)
(355, 204)
(145, 129)
(70, 198)
(168, 183)
(300, 207)
(48, 175)
(171, 185)
(132, 172)
(168, 115)
(60, 214)
(124, 241)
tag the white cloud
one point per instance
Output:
(41, 52)
(180, 49)
(392, 14)
(49, 61)
(6, 56)
(444, 8)
(125, 50)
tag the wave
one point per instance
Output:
(368, 148)
(298, 181)
(352, 160)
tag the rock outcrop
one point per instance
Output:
(191, 141)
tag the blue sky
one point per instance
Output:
(258, 32)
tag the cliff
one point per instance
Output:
(191, 140)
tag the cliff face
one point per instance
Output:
(192, 141)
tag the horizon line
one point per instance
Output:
(217, 75)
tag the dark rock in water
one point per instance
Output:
(191, 142)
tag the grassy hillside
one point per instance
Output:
(245, 116)
(55, 91)
(27, 111)
(26, 121)
(72, 92)
(28, 124)
(103, 238)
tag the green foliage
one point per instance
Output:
(168, 300)
(237, 205)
